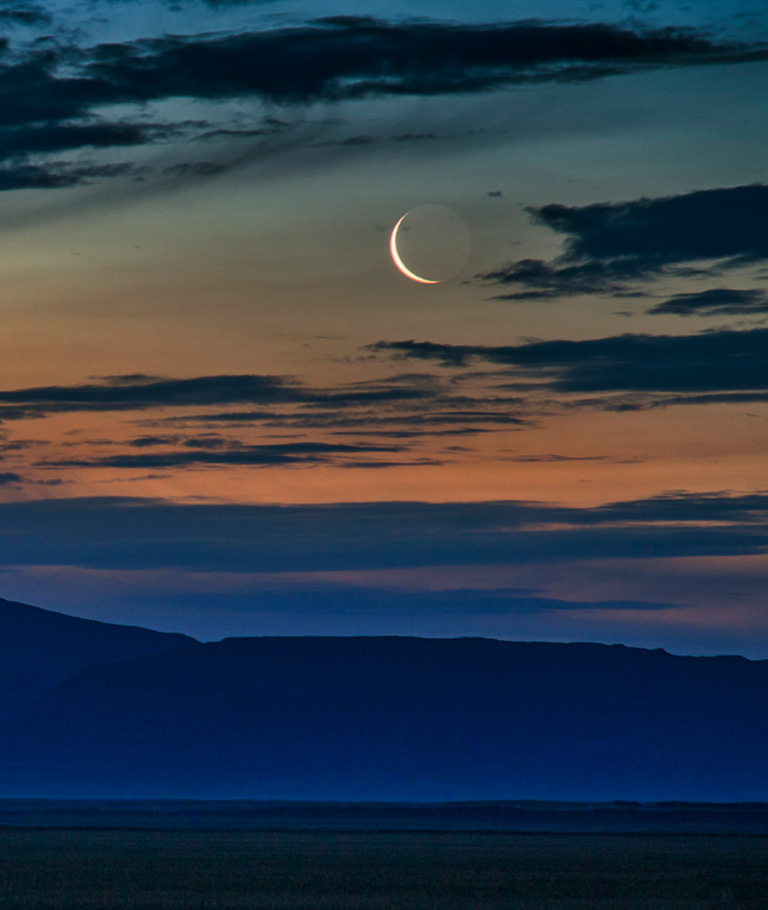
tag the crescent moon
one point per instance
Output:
(398, 261)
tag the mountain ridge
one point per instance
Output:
(396, 718)
(41, 648)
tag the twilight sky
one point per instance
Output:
(224, 411)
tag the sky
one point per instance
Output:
(224, 410)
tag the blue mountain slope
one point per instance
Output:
(398, 718)
(40, 649)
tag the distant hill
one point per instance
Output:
(398, 718)
(40, 649)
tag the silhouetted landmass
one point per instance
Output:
(242, 870)
(398, 719)
(498, 816)
(180, 870)
(40, 649)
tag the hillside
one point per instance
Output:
(40, 649)
(398, 718)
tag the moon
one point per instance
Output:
(399, 262)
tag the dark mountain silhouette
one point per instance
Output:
(398, 718)
(40, 648)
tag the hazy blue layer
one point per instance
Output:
(522, 816)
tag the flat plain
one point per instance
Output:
(300, 870)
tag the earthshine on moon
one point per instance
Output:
(398, 261)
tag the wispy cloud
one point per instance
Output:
(140, 534)
(61, 174)
(137, 392)
(286, 453)
(352, 57)
(715, 302)
(24, 14)
(57, 91)
(611, 246)
(723, 360)
(282, 402)
(185, 426)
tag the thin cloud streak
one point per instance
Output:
(399, 407)
(723, 360)
(611, 247)
(277, 454)
(715, 302)
(50, 96)
(140, 534)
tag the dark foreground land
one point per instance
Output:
(301, 870)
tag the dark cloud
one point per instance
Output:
(347, 57)
(146, 442)
(715, 302)
(146, 534)
(554, 459)
(403, 424)
(422, 406)
(345, 601)
(232, 418)
(349, 141)
(377, 465)
(544, 280)
(20, 445)
(229, 134)
(221, 454)
(626, 372)
(31, 177)
(608, 245)
(708, 224)
(194, 169)
(712, 398)
(55, 137)
(208, 441)
(414, 137)
(357, 396)
(139, 392)
(30, 91)
(225, 3)
(438, 416)
(745, 509)
(57, 175)
(383, 430)
(722, 360)
(24, 14)
(643, 6)
(50, 97)
(8, 477)
(340, 57)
